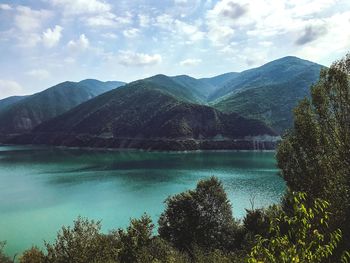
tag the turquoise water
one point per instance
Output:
(43, 188)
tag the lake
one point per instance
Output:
(43, 188)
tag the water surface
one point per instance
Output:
(43, 188)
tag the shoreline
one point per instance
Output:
(87, 148)
(85, 141)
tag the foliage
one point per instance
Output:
(303, 236)
(3, 257)
(136, 237)
(216, 256)
(315, 156)
(201, 217)
(257, 222)
(269, 93)
(33, 255)
(79, 244)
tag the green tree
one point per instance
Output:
(298, 237)
(137, 244)
(257, 222)
(200, 217)
(33, 255)
(81, 243)
(315, 156)
(134, 239)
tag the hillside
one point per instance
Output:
(181, 90)
(31, 111)
(277, 72)
(201, 88)
(4, 103)
(271, 92)
(220, 80)
(139, 113)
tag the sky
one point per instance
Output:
(45, 42)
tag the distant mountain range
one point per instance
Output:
(22, 114)
(229, 111)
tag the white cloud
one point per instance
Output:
(220, 35)
(79, 7)
(10, 88)
(305, 28)
(5, 7)
(39, 74)
(110, 35)
(80, 44)
(51, 37)
(129, 58)
(131, 33)
(108, 19)
(28, 23)
(335, 41)
(188, 33)
(69, 60)
(190, 62)
(144, 20)
(29, 20)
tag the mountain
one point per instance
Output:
(178, 89)
(277, 72)
(143, 114)
(220, 80)
(30, 111)
(202, 89)
(4, 103)
(270, 92)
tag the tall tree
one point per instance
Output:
(315, 156)
(200, 217)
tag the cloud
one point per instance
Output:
(131, 33)
(79, 7)
(190, 62)
(233, 10)
(39, 74)
(220, 35)
(129, 58)
(5, 7)
(310, 34)
(51, 37)
(108, 19)
(80, 44)
(334, 43)
(187, 32)
(10, 88)
(28, 23)
(144, 20)
(29, 20)
(110, 35)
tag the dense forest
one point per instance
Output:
(309, 225)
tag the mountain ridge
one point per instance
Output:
(34, 109)
(165, 109)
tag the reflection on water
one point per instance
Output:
(43, 188)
